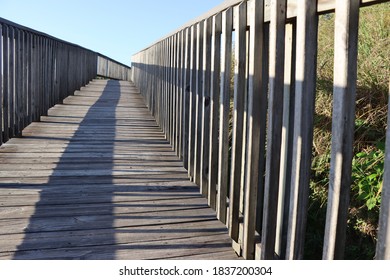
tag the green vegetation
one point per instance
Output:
(371, 119)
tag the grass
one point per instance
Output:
(371, 122)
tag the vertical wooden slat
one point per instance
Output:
(214, 108)
(1, 84)
(276, 86)
(257, 109)
(6, 81)
(25, 59)
(192, 98)
(305, 90)
(223, 151)
(198, 102)
(286, 142)
(205, 104)
(238, 119)
(186, 94)
(343, 123)
(179, 98)
(11, 83)
(383, 244)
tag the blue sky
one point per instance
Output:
(116, 28)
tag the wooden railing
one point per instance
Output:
(109, 68)
(259, 183)
(39, 71)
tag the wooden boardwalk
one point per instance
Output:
(96, 179)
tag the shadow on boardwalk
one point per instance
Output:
(113, 187)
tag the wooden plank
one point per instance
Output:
(186, 96)
(205, 104)
(223, 151)
(127, 234)
(191, 120)
(128, 251)
(257, 110)
(305, 91)
(180, 90)
(286, 141)
(1, 84)
(276, 86)
(198, 102)
(6, 82)
(214, 109)
(343, 124)
(11, 85)
(240, 23)
(383, 244)
(98, 195)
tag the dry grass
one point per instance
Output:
(371, 119)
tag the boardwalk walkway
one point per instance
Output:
(96, 179)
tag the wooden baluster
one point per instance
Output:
(343, 124)
(305, 90)
(257, 110)
(240, 23)
(223, 151)
(214, 109)
(274, 134)
(205, 104)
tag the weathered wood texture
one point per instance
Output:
(253, 162)
(109, 68)
(96, 179)
(39, 71)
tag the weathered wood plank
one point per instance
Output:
(305, 90)
(383, 245)
(240, 23)
(343, 124)
(198, 101)
(214, 109)
(1, 85)
(223, 151)
(192, 102)
(275, 115)
(6, 81)
(205, 104)
(100, 177)
(169, 248)
(257, 110)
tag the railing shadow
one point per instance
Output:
(117, 191)
(61, 213)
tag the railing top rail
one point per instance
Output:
(27, 29)
(324, 6)
(39, 33)
(113, 60)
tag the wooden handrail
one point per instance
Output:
(39, 71)
(186, 79)
(324, 6)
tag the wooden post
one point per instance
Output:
(11, 82)
(238, 119)
(198, 102)
(1, 84)
(305, 90)
(383, 244)
(286, 142)
(186, 95)
(276, 86)
(223, 151)
(192, 98)
(205, 104)
(257, 110)
(343, 124)
(214, 108)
